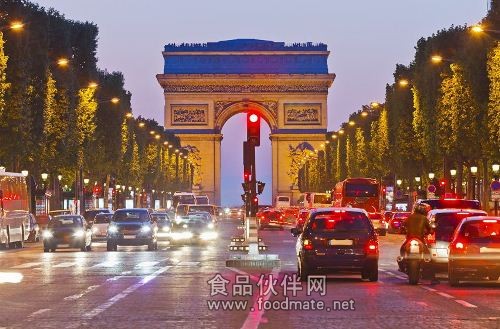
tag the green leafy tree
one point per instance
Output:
(4, 85)
(361, 153)
(85, 122)
(494, 101)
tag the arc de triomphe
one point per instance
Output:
(206, 84)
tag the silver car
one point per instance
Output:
(444, 222)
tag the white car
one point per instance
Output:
(100, 226)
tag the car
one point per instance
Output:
(451, 203)
(202, 199)
(474, 251)
(164, 225)
(379, 223)
(100, 225)
(444, 222)
(301, 219)
(271, 218)
(397, 222)
(132, 227)
(89, 215)
(235, 213)
(282, 201)
(337, 240)
(67, 230)
(194, 227)
(388, 215)
(290, 215)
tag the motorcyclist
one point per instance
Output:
(417, 227)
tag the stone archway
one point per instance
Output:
(205, 85)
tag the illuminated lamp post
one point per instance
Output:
(496, 169)
(453, 173)
(473, 171)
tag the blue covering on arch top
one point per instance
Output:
(283, 63)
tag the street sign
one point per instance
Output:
(431, 189)
(495, 185)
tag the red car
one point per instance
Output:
(271, 218)
(301, 219)
(397, 222)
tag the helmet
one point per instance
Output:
(421, 208)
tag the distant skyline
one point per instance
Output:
(366, 39)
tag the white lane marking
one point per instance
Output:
(83, 293)
(109, 263)
(146, 264)
(428, 288)
(188, 264)
(445, 295)
(65, 264)
(122, 275)
(253, 277)
(254, 318)
(289, 241)
(40, 311)
(101, 308)
(27, 265)
(464, 303)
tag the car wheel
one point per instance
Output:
(84, 248)
(53, 250)
(413, 272)
(453, 278)
(89, 247)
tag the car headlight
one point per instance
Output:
(210, 225)
(208, 235)
(79, 233)
(184, 226)
(112, 229)
(165, 229)
(47, 234)
(145, 229)
(182, 235)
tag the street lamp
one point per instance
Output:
(16, 25)
(25, 173)
(436, 59)
(473, 171)
(453, 173)
(93, 85)
(86, 181)
(44, 176)
(63, 62)
(403, 82)
(417, 179)
(352, 123)
(431, 175)
(399, 182)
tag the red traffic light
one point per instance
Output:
(442, 182)
(255, 200)
(253, 117)
(253, 128)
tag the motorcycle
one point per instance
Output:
(413, 260)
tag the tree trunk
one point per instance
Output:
(486, 185)
(460, 179)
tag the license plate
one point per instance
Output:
(442, 252)
(414, 249)
(129, 236)
(340, 242)
(487, 250)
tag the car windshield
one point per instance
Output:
(208, 209)
(283, 198)
(65, 221)
(102, 218)
(197, 218)
(131, 216)
(339, 221)
(201, 200)
(321, 198)
(160, 217)
(481, 231)
(446, 224)
(361, 190)
(184, 199)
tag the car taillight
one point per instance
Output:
(371, 247)
(307, 244)
(431, 238)
(458, 247)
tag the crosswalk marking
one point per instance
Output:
(27, 265)
(146, 264)
(110, 263)
(65, 264)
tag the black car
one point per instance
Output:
(164, 223)
(132, 227)
(337, 240)
(67, 230)
(451, 203)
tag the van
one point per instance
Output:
(282, 201)
(314, 200)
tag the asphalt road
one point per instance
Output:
(173, 287)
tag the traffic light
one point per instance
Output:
(260, 187)
(253, 128)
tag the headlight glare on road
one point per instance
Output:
(145, 229)
(47, 234)
(79, 233)
(209, 235)
(165, 229)
(112, 229)
(182, 235)
(211, 225)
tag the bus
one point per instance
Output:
(14, 210)
(361, 193)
